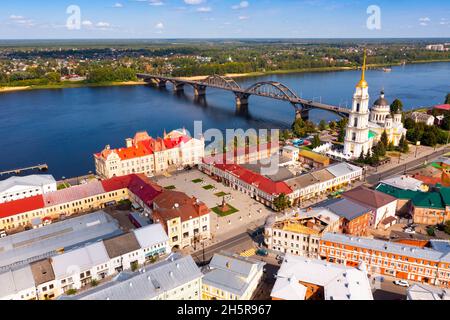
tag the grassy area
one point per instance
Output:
(217, 210)
(170, 188)
(208, 187)
(63, 186)
(221, 194)
(197, 181)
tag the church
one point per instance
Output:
(366, 125)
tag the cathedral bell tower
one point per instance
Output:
(357, 133)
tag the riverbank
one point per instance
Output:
(82, 84)
(69, 85)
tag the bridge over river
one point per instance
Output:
(267, 89)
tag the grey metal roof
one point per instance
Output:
(343, 168)
(82, 259)
(37, 244)
(151, 235)
(344, 208)
(16, 280)
(390, 247)
(156, 280)
(232, 273)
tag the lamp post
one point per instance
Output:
(417, 148)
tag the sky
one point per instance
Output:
(166, 19)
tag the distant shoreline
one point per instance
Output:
(69, 85)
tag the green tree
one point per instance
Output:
(332, 125)
(361, 157)
(447, 99)
(281, 203)
(368, 158)
(322, 125)
(384, 139)
(316, 142)
(396, 106)
(403, 145)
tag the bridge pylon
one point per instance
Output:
(178, 87)
(301, 113)
(241, 99)
(199, 90)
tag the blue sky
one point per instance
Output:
(31, 19)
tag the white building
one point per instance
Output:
(365, 127)
(15, 188)
(357, 138)
(231, 277)
(144, 154)
(17, 284)
(428, 119)
(177, 278)
(301, 278)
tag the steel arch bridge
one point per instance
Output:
(268, 89)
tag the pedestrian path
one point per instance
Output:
(249, 253)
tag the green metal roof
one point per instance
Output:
(396, 192)
(429, 200)
(372, 134)
(445, 194)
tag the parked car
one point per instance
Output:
(402, 283)
(2, 233)
(262, 252)
(409, 230)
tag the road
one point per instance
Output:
(242, 240)
(401, 168)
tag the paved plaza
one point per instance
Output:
(251, 214)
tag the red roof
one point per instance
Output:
(116, 183)
(262, 183)
(144, 145)
(143, 188)
(12, 208)
(443, 107)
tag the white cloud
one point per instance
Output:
(103, 25)
(16, 17)
(425, 19)
(87, 23)
(156, 3)
(241, 5)
(204, 9)
(244, 17)
(118, 5)
(159, 25)
(194, 2)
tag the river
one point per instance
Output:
(63, 128)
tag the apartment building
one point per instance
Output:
(146, 155)
(231, 277)
(430, 266)
(300, 233)
(186, 220)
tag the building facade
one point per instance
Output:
(149, 156)
(388, 258)
(300, 233)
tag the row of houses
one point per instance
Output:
(84, 266)
(265, 188)
(185, 219)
